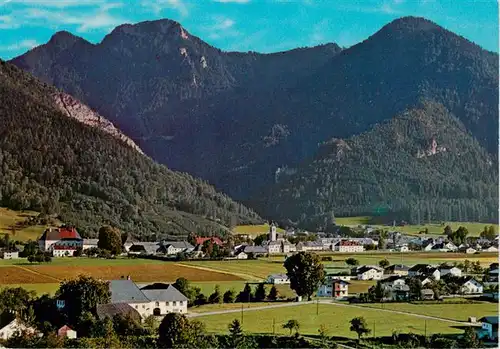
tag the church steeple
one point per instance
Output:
(272, 232)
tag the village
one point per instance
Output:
(392, 282)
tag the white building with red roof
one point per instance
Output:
(63, 241)
(349, 246)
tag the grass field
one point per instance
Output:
(474, 228)
(334, 318)
(8, 219)
(460, 312)
(254, 230)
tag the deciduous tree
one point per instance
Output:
(358, 325)
(306, 273)
(110, 239)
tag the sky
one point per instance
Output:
(242, 25)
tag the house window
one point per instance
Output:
(180, 303)
(157, 304)
(167, 304)
(136, 307)
(143, 307)
(175, 303)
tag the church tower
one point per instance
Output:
(272, 232)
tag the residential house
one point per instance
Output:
(175, 247)
(241, 255)
(492, 248)
(489, 325)
(278, 279)
(9, 255)
(214, 239)
(340, 276)
(402, 248)
(446, 269)
(14, 327)
(89, 243)
(492, 273)
(156, 299)
(166, 298)
(424, 269)
(66, 332)
(63, 241)
(334, 288)
(427, 294)
(309, 246)
(273, 247)
(148, 248)
(467, 249)
(287, 247)
(469, 285)
(349, 246)
(369, 272)
(396, 288)
(428, 245)
(397, 269)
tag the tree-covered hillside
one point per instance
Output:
(52, 163)
(420, 166)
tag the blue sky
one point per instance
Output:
(242, 25)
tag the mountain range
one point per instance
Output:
(58, 156)
(262, 127)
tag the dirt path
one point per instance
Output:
(37, 273)
(241, 275)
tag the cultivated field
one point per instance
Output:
(459, 312)
(9, 218)
(107, 270)
(254, 230)
(474, 228)
(334, 318)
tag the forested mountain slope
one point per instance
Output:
(53, 163)
(420, 166)
(246, 121)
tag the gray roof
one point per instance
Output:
(278, 276)
(178, 244)
(149, 247)
(110, 310)
(126, 291)
(90, 241)
(165, 295)
(254, 249)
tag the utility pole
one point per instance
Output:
(274, 323)
(242, 313)
(425, 329)
(317, 306)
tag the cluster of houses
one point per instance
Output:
(127, 299)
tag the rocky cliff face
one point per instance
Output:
(75, 109)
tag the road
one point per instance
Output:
(294, 304)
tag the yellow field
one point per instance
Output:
(254, 230)
(474, 228)
(8, 219)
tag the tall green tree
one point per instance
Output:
(470, 338)
(273, 294)
(236, 333)
(260, 293)
(384, 263)
(306, 273)
(81, 295)
(246, 295)
(110, 239)
(216, 297)
(229, 296)
(352, 261)
(176, 330)
(358, 325)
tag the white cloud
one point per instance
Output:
(220, 28)
(21, 45)
(157, 6)
(233, 1)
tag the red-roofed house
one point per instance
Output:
(61, 241)
(200, 240)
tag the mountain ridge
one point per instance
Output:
(240, 120)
